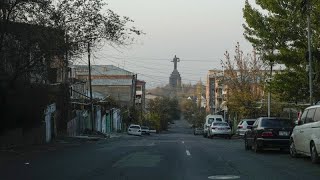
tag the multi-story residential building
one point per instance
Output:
(215, 92)
(141, 94)
(109, 80)
(219, 83)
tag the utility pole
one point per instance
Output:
(309, 50)
(67, 59)
(90, 88)
(134, 83)
(141, 109)
(200, 95)
(269, 93)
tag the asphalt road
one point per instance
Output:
(173, 155)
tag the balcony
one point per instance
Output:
(138, 101)
(138, 93)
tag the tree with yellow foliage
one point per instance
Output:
(243, 79)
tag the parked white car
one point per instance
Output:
(305, 138)
(244, 125)
(219, 129)
(209, 120)
(145, 130)
(134, 129)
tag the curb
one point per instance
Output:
(237, 137)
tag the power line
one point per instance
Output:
(163, 59)
(149, 76)
(154, 75)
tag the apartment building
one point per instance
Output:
(215, 92)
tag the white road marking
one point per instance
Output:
(182, 142)
(224, 177)
(188, 153)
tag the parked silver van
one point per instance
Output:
(209, 120)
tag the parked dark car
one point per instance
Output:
(269, 132)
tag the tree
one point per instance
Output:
(291, 85)
(188, 108)
(192, 113)
(173, 108)
(82, 23)
(85, 22)
(153, 121)
(282, 28)
(22, 12)
(242, 77)
(166, 108)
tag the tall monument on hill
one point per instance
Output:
(175, 78)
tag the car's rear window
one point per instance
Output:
(250, 123)
(135, 127)
(220, 124)
(143, 127)
(274, 123)
(219, 119)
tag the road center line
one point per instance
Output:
(188, 153)
(182, 142)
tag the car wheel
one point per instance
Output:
(292, 148)
(256, 147)
(314, 153)
(246, 145)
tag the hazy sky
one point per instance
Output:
(197, 31)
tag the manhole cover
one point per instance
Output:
(224, 177)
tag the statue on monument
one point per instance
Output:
(175, 61)
(175, 78)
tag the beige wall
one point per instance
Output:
(119, 93)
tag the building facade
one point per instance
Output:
(109, 80)
(141, 94)
(215, 92)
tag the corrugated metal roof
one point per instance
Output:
(101, 70)
(111, 82)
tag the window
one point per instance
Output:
(255, 124)
(276, 123)
(250, 122)
(310, 115)
(220, 124)
(317, 115)
(304, 116)
(138, 88)
(219, 119)
(135, 127)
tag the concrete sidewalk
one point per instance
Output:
(17, 152)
